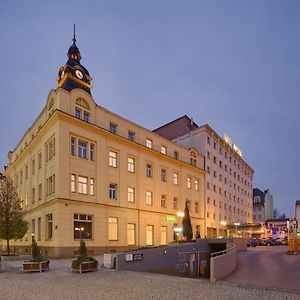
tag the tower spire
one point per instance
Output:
(74, 36)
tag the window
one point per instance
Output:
(112, 160)
(188, 204)
(26, 199)
(196, 207)
(40, 191)
(215, 174)
(208, 155)
(149, 143)
(112, 229)
(21, 177)
(149, 170)
(208, 169)
(112, 191)
(149, 198)
(39, 228)
(82, 149)
(131, 194)
(33, 166)
(131, 136)
(163, 175)
(73, 183)
(175, 203)
(176, 155)
(33, 196)
(131, 164)
(83, 226)
(130, 234)
(26, 172)
(78, 113)
(163, 150)
(208, 140)
(149, 235)
(92, 152)
(175, 178)
(73, 146)
(92, 186)
(50, 149)
(215, 160)
(82, 185)
(208, 200)
(196, 184)
(215, 145)
(163, 201)
(50, 185)
(40, 160)
(163, 235)
(86, 117)
(113, 128)
(49, 226)
(193, 160)
(33, 226)
(189, 182)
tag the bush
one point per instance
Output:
(82, 256)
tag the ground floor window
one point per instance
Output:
(49, 226)
(83, 226)
(130, 234)
(112, 229)
(163, 235)
(39, 228)
(149, 235)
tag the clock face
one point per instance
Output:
(79, 74)
(62, 74)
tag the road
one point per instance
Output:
(268, 267)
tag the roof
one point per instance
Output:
(176, 128)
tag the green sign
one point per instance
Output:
(171, 219)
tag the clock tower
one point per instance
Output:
(73, 74)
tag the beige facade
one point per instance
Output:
(106, 179)
(228, 180)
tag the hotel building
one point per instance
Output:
(228, 181)
(82, 171)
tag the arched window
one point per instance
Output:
(82, 102)
(193, 160)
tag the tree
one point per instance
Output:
(186, 223)
(35, 251)
(282, 217)
(275, 213)
(12, 224)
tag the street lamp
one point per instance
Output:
(236, 226)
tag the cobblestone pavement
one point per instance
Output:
(267, 267)
(61, 283)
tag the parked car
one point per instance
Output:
(269, 243)
(252, 243)
(278, 242)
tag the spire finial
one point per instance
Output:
(74, 36)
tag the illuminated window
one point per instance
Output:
(163, 235)
(149, 198)
(197, 185)
(82, 185)
(163, 150)
(131, 194)
(149, 143)
(131, 164)
(130, 234)
(175, 178)
(189, 182)
(83, 226)
(112, 229)
(92, 186)
(149, 235)
(73, 183)
(112, 159)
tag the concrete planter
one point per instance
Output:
(36, 266)
(85, 266)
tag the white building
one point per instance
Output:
(228, 177)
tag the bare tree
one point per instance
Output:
(12, 224)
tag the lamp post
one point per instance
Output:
(236, 226)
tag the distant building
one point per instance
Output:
(297, 213)
(276, 228)
(262, 205)
(228, 180)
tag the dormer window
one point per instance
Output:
(193, 160)
(86, 117)
(78, 113)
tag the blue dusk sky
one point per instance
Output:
(232, 64)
